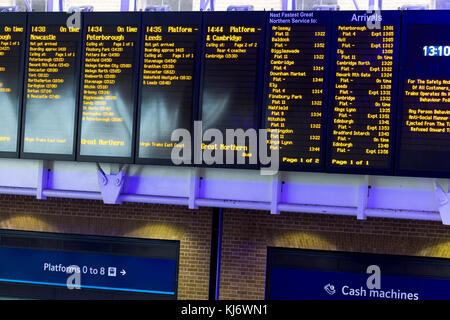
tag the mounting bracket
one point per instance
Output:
(111, 185)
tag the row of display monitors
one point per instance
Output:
(347, 92)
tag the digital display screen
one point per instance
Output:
(363, 92)
(168, 91)
(231, 83)
(295, 274)
(296, 86)
(109, 87)
(51, 87)
(423, 139)
(55, 266)
(12, 46)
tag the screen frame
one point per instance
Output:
(109, 19)
(343, 17)
(325, 18)
(225, 18)
(53, 18)
(51, 241)
(426, 17)
(164, 18)
(15, 18)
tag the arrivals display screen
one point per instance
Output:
(108, 93)
(170, 60)
(423, 143)
(51, 87)
(60, 266)
(12, 46)
(231, 82)
(295, 274)
(363, 92)
(296, 86)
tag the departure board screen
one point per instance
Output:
(51, 87)
(363, 92)
(12, 44)
(423, 139)
(231, 83)
(296, 85)
(168, 90)
(109, 87)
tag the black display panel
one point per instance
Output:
(363, 92)
(37, 265)
(423, 138)
(12, 47)
(52, 65)
(170, 62)
(108, 90)
(231, 84)
(297, 274)
(296, 86)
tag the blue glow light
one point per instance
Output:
(87, 287)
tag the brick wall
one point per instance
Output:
(191, 227)
(247, 234)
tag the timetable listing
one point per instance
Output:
(107, 90)
(169, 59)
(50, 86)
(10, 61)
(230, 77)
(295, 91)
(362, 107)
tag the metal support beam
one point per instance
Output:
(42, 179)
(443, 202)
(362, 198)
(289, 5)
(276, 193)
(194, 187)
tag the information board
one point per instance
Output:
(295, 274)
(363, 92)
(61, 266)
(12, 47)
(296, 86)
(423, 139)
(52, 67)
(170, 61)
(233, 50)
(108, 93)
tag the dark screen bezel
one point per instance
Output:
(426, 17)
(16, 18)
(54, 18)
(258, 19)
(344, 17)
(166, 18)
(324, 18)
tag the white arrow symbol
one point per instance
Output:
(123, 272)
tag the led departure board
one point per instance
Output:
(296, 85)
(363, 92)
(423, 139)
(168, 82)
(12, 45)
(51, 87)
(231, 82)
(108, 92)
